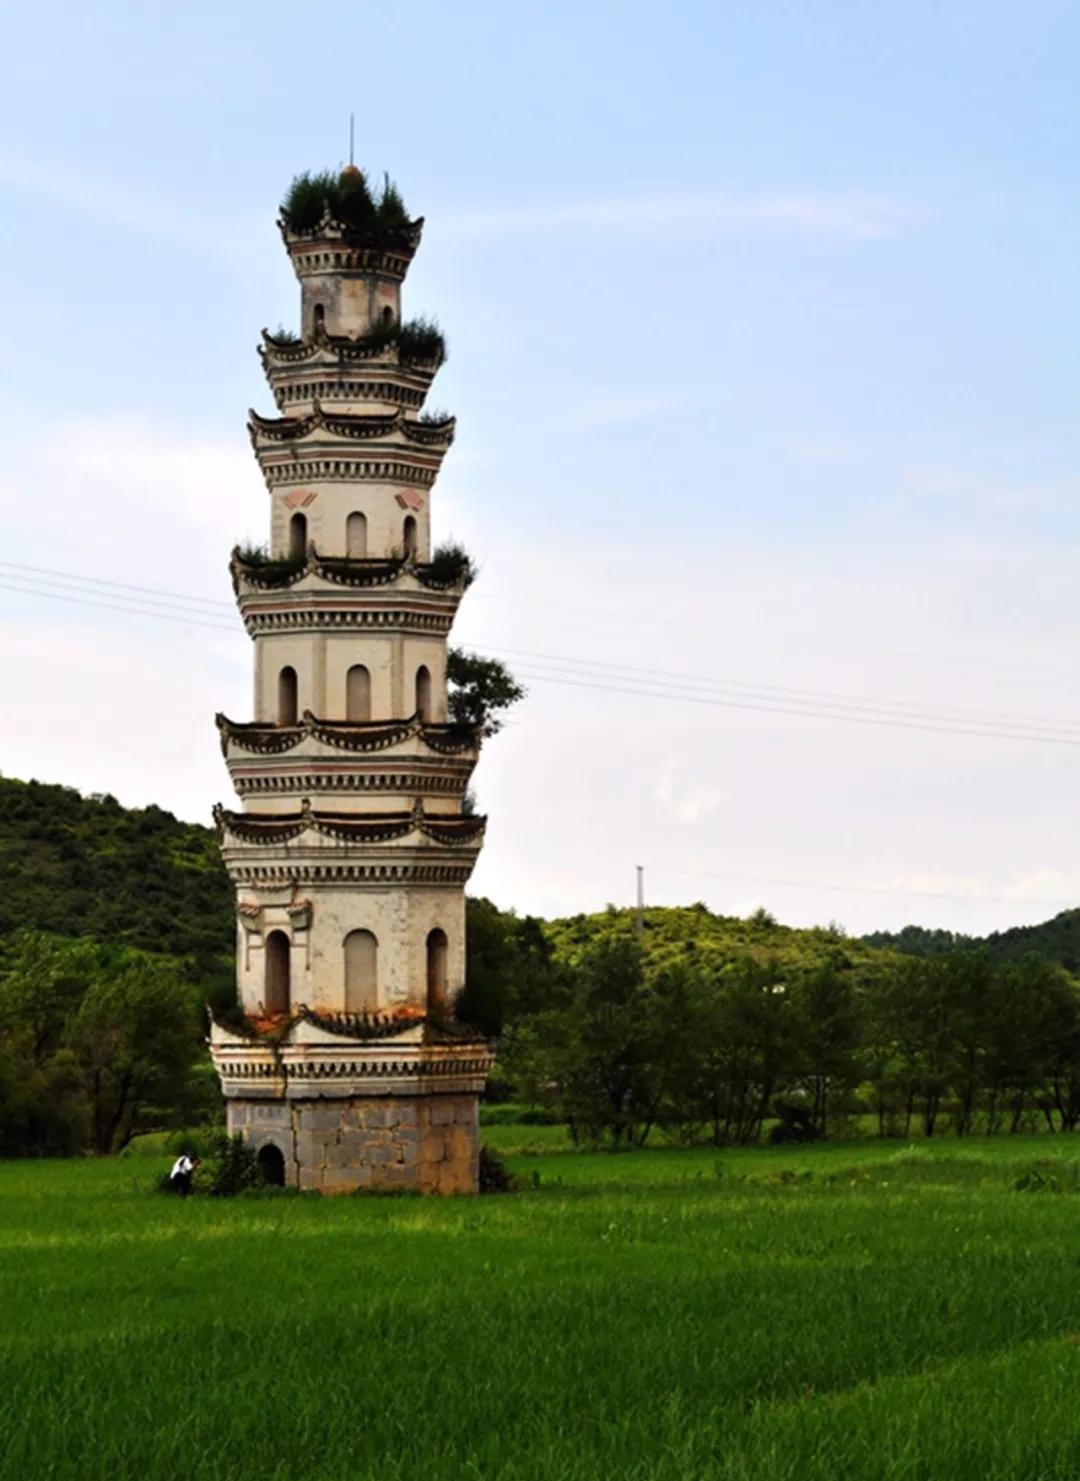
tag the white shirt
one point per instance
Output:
(183, 1164)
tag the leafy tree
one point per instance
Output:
(508, 970)
(133, 1039)
(598, 1056)
(480, 690)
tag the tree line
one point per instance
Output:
(796, 1033)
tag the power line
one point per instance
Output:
(608, 678)
(852, 718)
(58, 596)
(154, 591)
(619, 618)
(781, 692)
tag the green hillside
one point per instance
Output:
(85, 866)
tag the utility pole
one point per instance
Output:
(639, 924)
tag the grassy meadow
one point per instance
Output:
(860, 1310)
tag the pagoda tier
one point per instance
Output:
(376, 1056)
(336, 250)
(317, 604)
(349, 1103)
(343, 374)
(271, 766)
(252, 576)
(320, 832)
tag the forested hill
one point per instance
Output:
(1056, 940)
(85, 866)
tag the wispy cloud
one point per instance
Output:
(812, 213)
(118, 206)
(991, 491)
(683, 800)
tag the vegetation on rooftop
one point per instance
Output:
(417, 339)
(452, 564)
(377, 216)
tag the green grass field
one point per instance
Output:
(844, 1311)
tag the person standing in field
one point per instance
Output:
(182, 1170)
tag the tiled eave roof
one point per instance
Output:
(348, 735)
(275, 575)
(278, 828)
(338, 348)
(351, 427)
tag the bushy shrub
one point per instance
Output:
(495, 1176)
(794, 1124)
(231, 1167)
(452, 564)
(348, 200)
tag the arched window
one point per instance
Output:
(361, 972)
(436, 971)
(271, 1164)
(388, 315)
(409, 535)
(358, 693)
(298, 537)
(356, 536)
(423, 693)
(287, 710)
(276, 993)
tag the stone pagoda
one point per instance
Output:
(343, 1067)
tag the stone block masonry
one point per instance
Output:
(426, 1142)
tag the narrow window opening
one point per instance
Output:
(318, 315)
(287, 703)
(277, 990)
(298, 537)
(423, 693)
(409, 535)
(361, 972)
(388, 315)
(356, 536)
(437, 952)
(358, 693)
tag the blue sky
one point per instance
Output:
(762, 328)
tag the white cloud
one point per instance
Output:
(686, 801)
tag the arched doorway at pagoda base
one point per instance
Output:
(270, 1161)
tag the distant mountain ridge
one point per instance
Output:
(1057, 940)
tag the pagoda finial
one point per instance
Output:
(350, 169)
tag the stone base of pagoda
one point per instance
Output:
(326, 1111)
(424, 1143)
